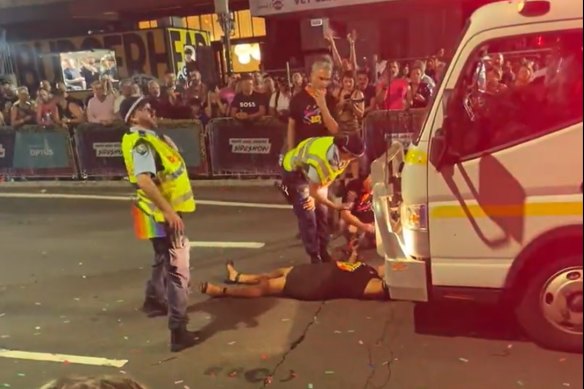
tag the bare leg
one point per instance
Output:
(265, 287)
(253, 279)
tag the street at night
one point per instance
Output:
(72, 282)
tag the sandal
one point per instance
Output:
(228, 280)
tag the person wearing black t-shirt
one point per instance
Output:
(358, 217)
(311, 109)
(248, 105)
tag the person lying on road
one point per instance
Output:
(310, 282)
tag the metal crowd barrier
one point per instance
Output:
(241, 148)
(36, 152)
(235, 148)
(100, 154)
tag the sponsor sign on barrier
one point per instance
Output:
(99, 150)
(35, 152)
(382, 126)
(240, 148)
(100, 153)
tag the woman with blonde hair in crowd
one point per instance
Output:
(23, 111)
(104, 382)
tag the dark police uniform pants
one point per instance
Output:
(169, 283)
(313, 225)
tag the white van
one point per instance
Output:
(487, 202)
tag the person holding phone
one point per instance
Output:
(163, 195)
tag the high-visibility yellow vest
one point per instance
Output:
(313, 152)
(173, 181)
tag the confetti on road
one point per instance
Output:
(77, 299)
(310, 386)
(231, 343)
(268, 380)
(5, 385)
(463, 360)
(329, 372)
(37, 328)
(123, 372)
(164, 361)
(178, 382)
(38, 304)
(361, 343)
(566, 385)
(520, 383)
(21, 374)
(2, 314)
(350, 331)
(263, 357)
(4, 336)
(285, 320)
(563, 360)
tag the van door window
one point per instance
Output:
(515, 89)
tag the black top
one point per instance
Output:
(369, 94)
(325, 281)
(350, 280)
(307, 115)
(359, 201)
(249, 104)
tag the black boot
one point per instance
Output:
(181, 339)
(153, 308)
(315, 259)
(326, 256)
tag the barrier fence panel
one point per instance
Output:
(189, 136)
(99, 150)
(100, 153)
(36, 152)
(240, 148)
(403, 126)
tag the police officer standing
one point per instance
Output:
(308, 170)
(163, 194)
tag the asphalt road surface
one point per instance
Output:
(72, 279)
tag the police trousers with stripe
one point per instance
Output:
(313, 225)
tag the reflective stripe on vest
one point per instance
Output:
(151, 209)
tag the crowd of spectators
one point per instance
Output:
(381, 84)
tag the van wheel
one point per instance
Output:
(550, 310)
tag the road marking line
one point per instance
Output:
(64, 196)
(63, 358)
(230, 245)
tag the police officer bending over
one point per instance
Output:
(163, 191)
(308, 170)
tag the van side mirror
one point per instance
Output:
(438, 148)
(440, 151)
